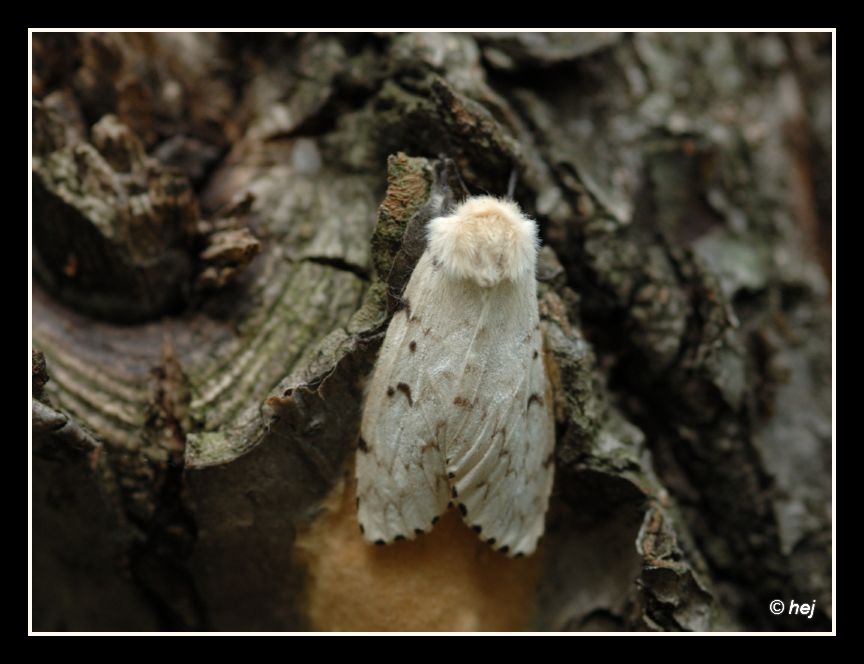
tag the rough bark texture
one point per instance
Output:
(222, 225)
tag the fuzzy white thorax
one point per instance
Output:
(487, 240)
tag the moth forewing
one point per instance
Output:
(456, 411)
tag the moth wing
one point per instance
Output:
(500, 462)
(402, 487)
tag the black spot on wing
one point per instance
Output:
(412, 346)
(535, 398)
(390, 391)
(406, 390)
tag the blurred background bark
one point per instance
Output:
(218, 219)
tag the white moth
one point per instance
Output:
(457, 411)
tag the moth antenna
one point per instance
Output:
(444, 159)
(511, 183)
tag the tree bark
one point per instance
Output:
(221, 224)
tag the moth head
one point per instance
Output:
(486, 240)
